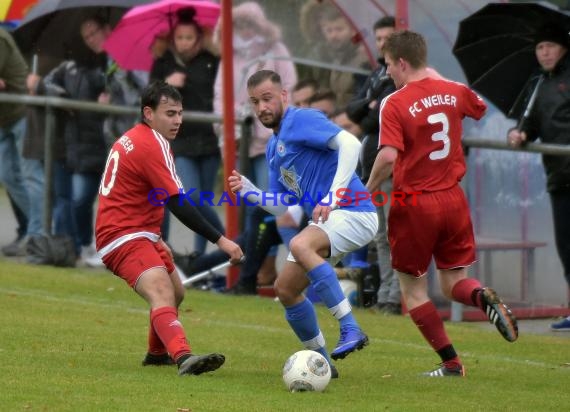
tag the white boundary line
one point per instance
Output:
(123, 305)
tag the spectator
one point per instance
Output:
(267, 232)
(13, 72)
(254, 37)
(17, 246)
(364, 110)
(77, 178)
(334, 41)
(160, 45)
(341, 118)
(34, 154)
(325, 101)
(192, 70)
(550, 121)
(303, 91)
(257, 242)
(122, 88)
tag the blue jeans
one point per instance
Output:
(33, 171)
(21, 219)
(11, 143)
(198, 173)
(84, 188)
(62, 216)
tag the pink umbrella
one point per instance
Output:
(131, 40)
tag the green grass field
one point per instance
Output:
(73, 340)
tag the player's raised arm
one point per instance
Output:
(193, 220)
(242, 185)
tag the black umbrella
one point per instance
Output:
(495, 47)
(51, 28)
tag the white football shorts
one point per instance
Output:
(347, 231)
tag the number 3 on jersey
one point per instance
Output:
(105, 189)
(440, 136)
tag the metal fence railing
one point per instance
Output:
(50, 104)
(544, 148)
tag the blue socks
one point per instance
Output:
(326, 286)
(303, 320)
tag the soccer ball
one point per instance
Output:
(306, 370)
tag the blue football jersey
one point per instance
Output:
(300, 162)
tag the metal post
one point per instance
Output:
(229, 122)
(48, 168)
(456, 312)
(402, 17)
(246, 133)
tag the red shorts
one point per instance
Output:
(438, 225)
(130, 260)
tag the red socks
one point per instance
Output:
(155, 345)
(169, 330)
(466, 291)
(431, 326)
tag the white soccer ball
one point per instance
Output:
(306, 370)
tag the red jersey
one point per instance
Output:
(423, 120)
(140, 168)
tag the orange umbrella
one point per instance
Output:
(15, 9)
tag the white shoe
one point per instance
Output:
(90, 257)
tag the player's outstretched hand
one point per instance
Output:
(321, 213)
(231, 248)
(234, 182)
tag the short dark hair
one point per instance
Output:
(386, 21)
(338, 111)
(407, 45)
(152, 94)
(99, 20)
(262, 75)
(301, 84)
(325, 94)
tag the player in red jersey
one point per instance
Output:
(139, 180)
(420, 143)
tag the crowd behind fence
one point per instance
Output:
(53, 103)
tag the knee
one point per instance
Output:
(298, 248)
(284, 293)
(414, 296)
